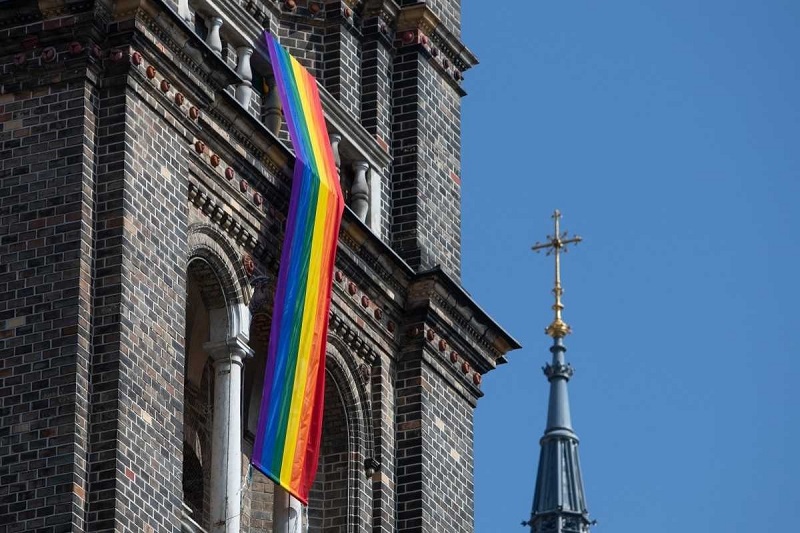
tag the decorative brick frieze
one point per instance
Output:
(352, 338)
(217, 214)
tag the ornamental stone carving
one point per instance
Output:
(558, 370)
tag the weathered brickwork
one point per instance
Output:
(342, 72)
(328, 501)
(46, 203)
(306, 43)
(140, 200)
(137, 396)
(426, 187)
(376, 110)
(447, 441)
(376, 62)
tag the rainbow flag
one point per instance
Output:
(290, 420)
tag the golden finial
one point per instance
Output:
(555, 245)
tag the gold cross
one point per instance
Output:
(555, 245)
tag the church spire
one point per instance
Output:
(559, 503)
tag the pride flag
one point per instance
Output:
(290, 420)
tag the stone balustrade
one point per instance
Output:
(360, 178)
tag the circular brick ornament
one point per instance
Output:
(290, 5)
(424, 39)
(378, 313)
(431, 335)
(435, 52)
(446, 63)
(49, 54)
(365, 301)
(476, 378)
(408, 37)
(199, 147)
(351, 288)
(229, 173)
(150, 72)
(164, 86)
(454, 356)
(179, 98)
(465, 367)
(97, 51)
(257, 199)
(20, 58)
(314, 8)
(339, 276)
(116, 55)
(347, 12)
(442, 345)
(75, 48)
(391, 326)
(249, 265)
(194, 113)
(243, 186)
(136, 58)
(215, 160)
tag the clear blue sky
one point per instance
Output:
(668, 133)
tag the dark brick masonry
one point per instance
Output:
(138, 198)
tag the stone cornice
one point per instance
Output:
(436, 289)
(375, 253)
(388, 10)
(420, 17)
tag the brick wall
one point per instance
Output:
(137, 400)
(342, 72)
(94, 242)
(46, 230)
(426, 145)
(328, 500)
(376, 109)
(306, 43)
(447, 437)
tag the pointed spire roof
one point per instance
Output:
(559, 502)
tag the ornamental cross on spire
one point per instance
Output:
(554, 245)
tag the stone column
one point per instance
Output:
(244, 91)
(226, 438)
(185, 12)
(337, 158)
(273, 113)
(287, 513)
(359, 192)
(213, 40)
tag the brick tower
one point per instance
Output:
(144, 183)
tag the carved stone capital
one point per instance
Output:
(234, 350)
